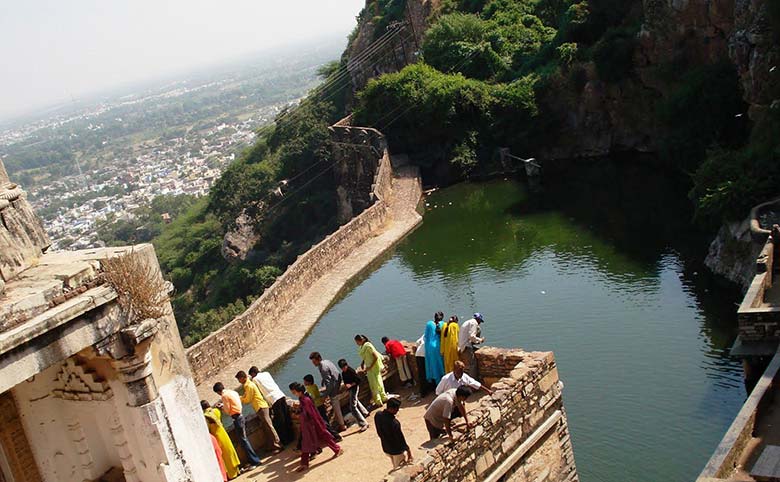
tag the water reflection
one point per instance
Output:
(601, 267)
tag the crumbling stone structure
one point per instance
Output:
(88, 391)
(356, 170)
(521, 432)
(22, 237)
(745, 452)
(360, 179)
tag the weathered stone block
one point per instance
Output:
(549, 380)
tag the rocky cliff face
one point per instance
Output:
(754, 47)
(733, 253)
(375, 51)
(601, 118)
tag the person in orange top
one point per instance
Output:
(253, 396)
(229, 455)
(232, 405)
(218, 453)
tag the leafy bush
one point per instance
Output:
(450, 106)
(458, 43)
(464, 155)
(567, 52)
(201, 324)
(730, 181)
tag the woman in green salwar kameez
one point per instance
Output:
(372, 365)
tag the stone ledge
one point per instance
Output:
(50, 319)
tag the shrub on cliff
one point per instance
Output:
(730, 181)
(421, 106)
(459, 43)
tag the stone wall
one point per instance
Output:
(724, 460)
(248, 330)
(361, 173)
(521, 432)
(14, 441)
(759, 319)
(734, 250)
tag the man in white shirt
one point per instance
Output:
(457, 378)
(438, 417)
(468, 339)
(419, 356)
(280, 411)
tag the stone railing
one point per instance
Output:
(248, 330)
(724, 461)
(759, 320)
(520, 428)
(758, 232)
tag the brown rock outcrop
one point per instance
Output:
(22, 237)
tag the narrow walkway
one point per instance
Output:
(403, 218)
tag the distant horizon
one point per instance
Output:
(33, 113)
(58, 51)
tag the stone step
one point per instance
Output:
(767, 467)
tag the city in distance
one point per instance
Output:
(97, 165)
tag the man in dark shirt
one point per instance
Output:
(389, 430)
(352, 381)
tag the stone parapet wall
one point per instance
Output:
(248, 330)
(759, 319)
(521, 431)
(724, 460)
(361, 167)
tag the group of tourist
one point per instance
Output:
(440, 350)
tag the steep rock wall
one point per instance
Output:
(600, 118)
(399, 44)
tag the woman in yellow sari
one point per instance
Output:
(214, 422)
(372, 365)
(449, 343)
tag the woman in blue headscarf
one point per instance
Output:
(434, 363)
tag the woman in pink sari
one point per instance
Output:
(314, 434)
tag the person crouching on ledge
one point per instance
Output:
(438, 417)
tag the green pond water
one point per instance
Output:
(602, 267)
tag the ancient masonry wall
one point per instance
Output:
(248, 330)
(759, 321)
(521, 431)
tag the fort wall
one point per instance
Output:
(249, 329)
(521, 432)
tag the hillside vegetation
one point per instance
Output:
(492, 73)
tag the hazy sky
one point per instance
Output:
(52, 49)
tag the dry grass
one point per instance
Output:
(142, 293)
